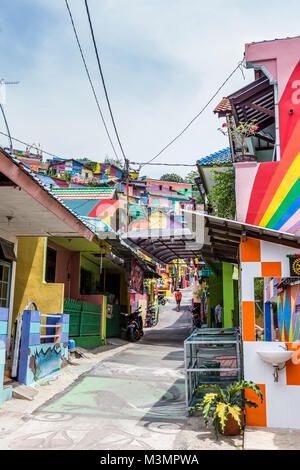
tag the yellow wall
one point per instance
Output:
(29, 284)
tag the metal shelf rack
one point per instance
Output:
(212, 356)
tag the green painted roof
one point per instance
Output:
(89, 190)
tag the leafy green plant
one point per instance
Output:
(222, 194)
(218, 405)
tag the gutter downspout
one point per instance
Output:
(275, 83)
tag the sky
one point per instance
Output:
(162, 62)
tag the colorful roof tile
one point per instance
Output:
(98, 192)
(223, 156)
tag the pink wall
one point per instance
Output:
(67, 269)
(280, 57)
(93, 299)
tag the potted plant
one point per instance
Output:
(240, 134)
(225, 408)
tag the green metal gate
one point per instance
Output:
(113, 325)
(85, 323)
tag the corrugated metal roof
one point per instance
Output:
(87, 190)
(170, 196)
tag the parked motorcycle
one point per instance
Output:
(151, 317)
(196, 316)
(133, 325)
(162, 299)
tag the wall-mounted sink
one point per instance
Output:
(276, 357)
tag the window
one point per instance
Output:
(4, 283)
(50, 265)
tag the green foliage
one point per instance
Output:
(219, 404)
(190, 178)
(259, 295)
(172, 177)
(114, 161)
(222, 194)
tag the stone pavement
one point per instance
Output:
(134, 398)
(256, 438)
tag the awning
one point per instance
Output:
(212, 237)
(7, 251)
(28, 208)
(164, 245)
(254, 101)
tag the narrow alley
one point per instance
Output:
(133, 400)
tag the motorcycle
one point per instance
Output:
(162, 299)
(133, 325)
(151, 318)
(196, 317)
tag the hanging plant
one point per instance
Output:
(240, 133)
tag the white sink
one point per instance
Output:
(275, 357)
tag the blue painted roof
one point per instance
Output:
(81, 207)
(223, 156)
(47, 181)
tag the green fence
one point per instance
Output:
(85, 322)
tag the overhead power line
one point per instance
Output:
(195, 117)
(163, 164)
(89, 79)
(102, 79)
(30, 145)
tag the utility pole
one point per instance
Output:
(127, 193)
(3, 84)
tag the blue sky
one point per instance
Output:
(162, 60)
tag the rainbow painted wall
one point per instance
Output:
(269, 193)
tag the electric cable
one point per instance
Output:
(89, 78)
(238, 67)
(102, 79)
(32, 146)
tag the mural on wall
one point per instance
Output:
(47, 360)
(288, 311)
(137, 278)
(281, 299)
(273, 193)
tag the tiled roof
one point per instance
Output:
(223, 107)
(98, 192)
(223, 156)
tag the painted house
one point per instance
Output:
(29, 212)
(268, 196)
(157, 185)
(108, 171)
(70, 167)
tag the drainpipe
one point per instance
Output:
(276, 109)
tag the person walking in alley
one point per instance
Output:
(219, 314)
(178, 296)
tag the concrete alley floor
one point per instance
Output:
(133, 398)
